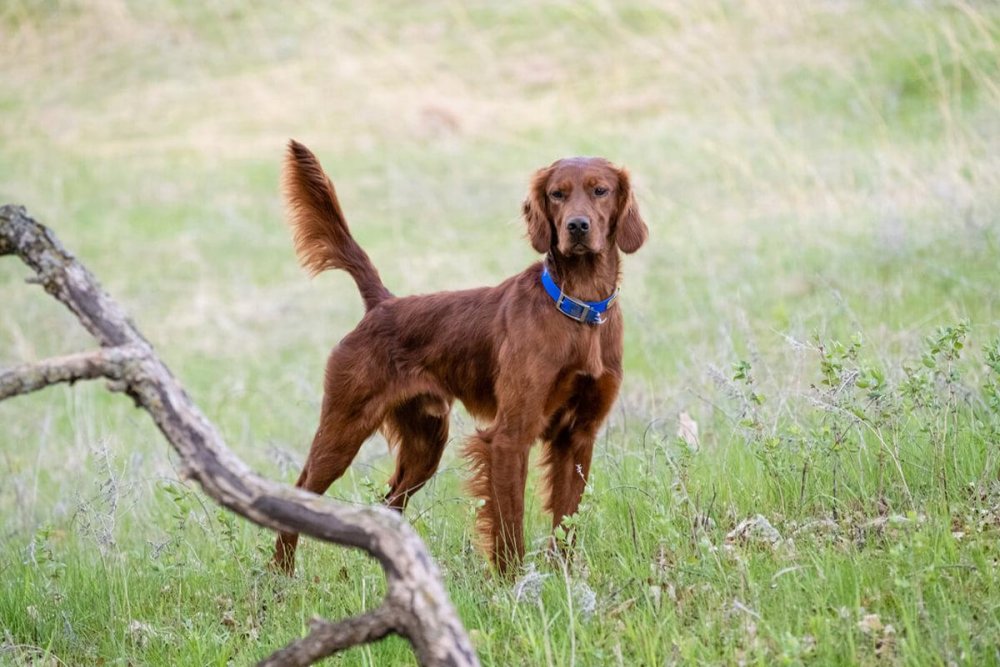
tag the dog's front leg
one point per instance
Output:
(499, 457)
(569, 443)
(509, 470)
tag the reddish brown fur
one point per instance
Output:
(513, 360)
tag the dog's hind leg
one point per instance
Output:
(350, 414)
(333, 449)
(419, 431)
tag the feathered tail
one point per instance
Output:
(322, 239)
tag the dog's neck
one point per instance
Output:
(589, 277)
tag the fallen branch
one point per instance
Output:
(416, 605)
(106, 362)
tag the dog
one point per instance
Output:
(538, 356)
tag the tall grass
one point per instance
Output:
(818, 295)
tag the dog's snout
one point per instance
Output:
(578, 226)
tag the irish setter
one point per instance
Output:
(537, 356)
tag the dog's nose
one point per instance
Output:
(578, 226)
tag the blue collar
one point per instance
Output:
(581, 311)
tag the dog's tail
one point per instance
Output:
(322, 238)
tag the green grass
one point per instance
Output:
(819, 294)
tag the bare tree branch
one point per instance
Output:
(105, 362)
(416, 605)
(325, 638)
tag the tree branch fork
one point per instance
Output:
(416, 606)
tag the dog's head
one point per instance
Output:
(583, 205)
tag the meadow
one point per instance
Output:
(820, 296)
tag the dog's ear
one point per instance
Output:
(630, 230)
(536, 212)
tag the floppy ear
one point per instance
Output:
(631, 230)
(536, 212)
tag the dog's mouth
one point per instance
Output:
(579, 248)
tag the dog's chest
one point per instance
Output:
(589, 357)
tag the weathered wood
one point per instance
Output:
(416, 605)
(106, 362)
(325, 638)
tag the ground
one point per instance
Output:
(818, 301)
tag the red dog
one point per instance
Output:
(539, 355)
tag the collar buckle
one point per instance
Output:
(585, 312)
(576, 309)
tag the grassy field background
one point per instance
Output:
(820, 295)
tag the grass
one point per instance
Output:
(819, 295)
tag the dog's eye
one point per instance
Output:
(558, 195)
(600, 191)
